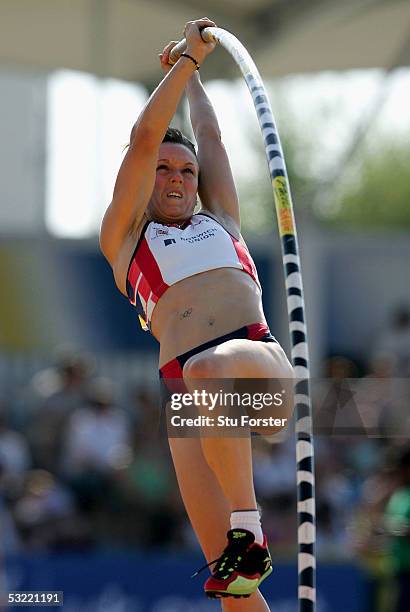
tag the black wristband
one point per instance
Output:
(191, 58)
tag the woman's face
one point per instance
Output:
(176, 185)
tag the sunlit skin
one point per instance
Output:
(177, 171)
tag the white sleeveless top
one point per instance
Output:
(166, 254)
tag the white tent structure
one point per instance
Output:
(120, 38)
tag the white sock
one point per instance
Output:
(250, 520)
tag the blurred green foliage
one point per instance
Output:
(366, 189)
(255, 191)
(379, 195)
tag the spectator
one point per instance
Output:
(96, 447)
(9, 539)
(95, 433)
(43, 507)
(14, 451)
(397, 521)
(395, 342)
(59, 391)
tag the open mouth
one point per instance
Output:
(174, 194)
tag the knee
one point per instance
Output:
(287, 378)
(202, 367)
(288, 369)
(283, 375)
(276, 417)
(284, 367)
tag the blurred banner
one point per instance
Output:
(161, 583)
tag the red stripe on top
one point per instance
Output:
(133, 275)
(245, 259)
(257, 330)
(150, 269)
(144, 289)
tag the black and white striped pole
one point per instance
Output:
(296, 310)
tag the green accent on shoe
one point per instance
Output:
(246, 586)
(238, 534)
(242, 585)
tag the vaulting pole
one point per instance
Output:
(295, 305)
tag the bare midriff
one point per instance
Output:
(200, 307)
(203, 307)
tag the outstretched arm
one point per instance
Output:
(217, 188)
(136, 177)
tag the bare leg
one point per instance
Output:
(215, 474)
(231, 461)
(208, 510)
(230, 458)
(255, 602)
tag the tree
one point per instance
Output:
(379, 193)
(364, 189)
